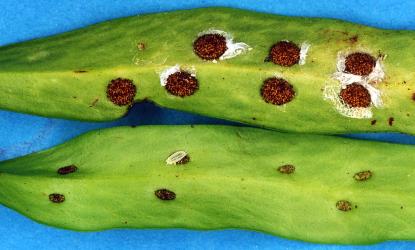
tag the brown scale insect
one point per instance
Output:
(56, 198)
(286, 169)
(67, 170)
(183, 161)
(165, 194)
(363, 175)
(344, 205)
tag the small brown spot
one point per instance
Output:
(390, 121)
(80, 71)
(141, 46)
(413, 97)
(363, 175)
(210, 46)
(344, 205)
(401, 207)
(373, 122)
(184, 160)
(181, 84)
(125, 222)
(285, 53)
(359, 63)
(253, 118)
(121, 91)
(67, 170)
(74, 97)
(277, 91)
(56, 198)
(165, 194)
(286, 169)
(356, 96)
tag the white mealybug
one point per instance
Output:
(176, 157)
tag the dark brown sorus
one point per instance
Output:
(56, 198)
(184, 160)
(359, 63)
(285, 53)
(165, 194)
(277, 91)
(181, 84)
(413, 96)
(344, 205)
(67, 170)
(286, 169)
(121, 91)
(363, 175)
(210, 46)
(356, 96)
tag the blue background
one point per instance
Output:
(21, 134)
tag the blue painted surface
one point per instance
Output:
(21, 134)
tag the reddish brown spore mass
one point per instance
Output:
(67, 170)
(181, 84)
(57, 198)
(121, 91)
(165, 194)
(413, 97)
(277, 91)
(285, 53)
(356, 96)
(210, 46)
(359, 63)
